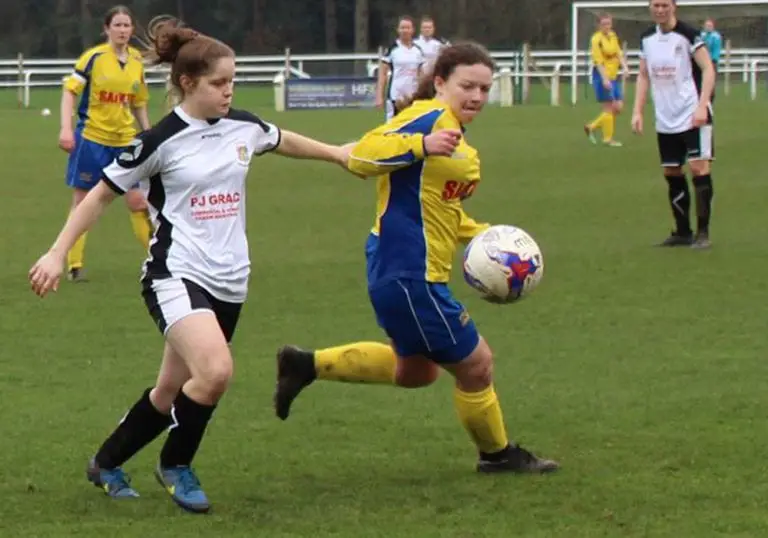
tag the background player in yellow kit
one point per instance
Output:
(608, 60)
(109, 79)
(425, 168)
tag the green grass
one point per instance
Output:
(642, 371)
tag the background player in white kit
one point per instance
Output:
(399, 69)
(429, 43)
(677, 67)
(195, 279)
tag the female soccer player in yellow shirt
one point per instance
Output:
(109, 79)
(608, 59)
(425, 168)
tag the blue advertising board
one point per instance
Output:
(330, 92)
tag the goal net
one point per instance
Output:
(743, 25)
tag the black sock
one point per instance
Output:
(190, 421)
(680, 203)
(139, 428)
(501, 455)
(704, 194)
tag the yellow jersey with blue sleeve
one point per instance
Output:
(606, 51)
(419, 215)
(109, 89)
(419, 223)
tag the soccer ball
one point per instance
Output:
(503, 263)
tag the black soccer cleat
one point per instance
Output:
(677, 239)
(76, 274)
(701, 241)
(295, 371)
(515, 459)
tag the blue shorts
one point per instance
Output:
(87, 161)
(422, 318)
(606, 96)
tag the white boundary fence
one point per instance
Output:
(522, 68)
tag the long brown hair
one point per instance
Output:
(450, 57)
(117, 10)
(187, 51)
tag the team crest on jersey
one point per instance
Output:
(679, 50)
(242, 153)
(135, 87)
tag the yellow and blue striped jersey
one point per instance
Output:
(419, 215)
(606, 51)
(109, 89)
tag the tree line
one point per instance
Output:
(63, 28)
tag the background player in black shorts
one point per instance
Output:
(676, 66)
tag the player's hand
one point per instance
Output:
(379, 101)
(637, 123)
(701, 116)
(442, 143)
(67, 140)
(343, 152)
(46, 273)
(607, 84)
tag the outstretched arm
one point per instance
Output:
(382, 152)
(45, 274)
(298, 146)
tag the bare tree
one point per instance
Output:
(362, 37)
(85, 25)
(331, 26)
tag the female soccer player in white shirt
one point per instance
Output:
(399, 69)
(195, 278)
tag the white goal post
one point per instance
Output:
(716, 8)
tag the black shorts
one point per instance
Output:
(693, 145)
(172, 299)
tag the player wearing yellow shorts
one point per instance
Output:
(608, 60)
(109, 79)
(425, 168)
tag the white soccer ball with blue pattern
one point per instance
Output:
(504, 263)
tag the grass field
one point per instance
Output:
(643, 371)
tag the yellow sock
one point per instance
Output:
(480, 413)
(76, 253)
(361, 362)
(142, 228)
(609, 124)
(598, 123)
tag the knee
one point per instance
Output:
(673, 172)
(135, 201)
(410, 377)
(214, 379)
(476, 373)
(480, 375)
(163, 396)
(618, 106)
(699, 168)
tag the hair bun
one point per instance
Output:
(169, 35)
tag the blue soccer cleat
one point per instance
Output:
(114, 482)
(182, 485)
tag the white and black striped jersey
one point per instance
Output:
(196, 171)
(405, 63)
(674, 75)
(431, 47)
